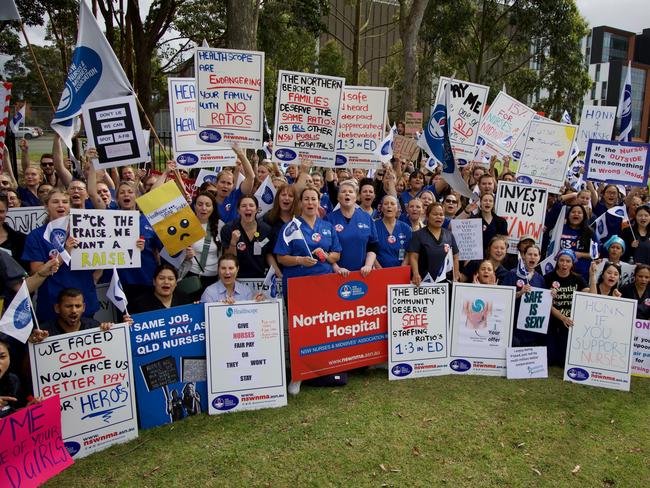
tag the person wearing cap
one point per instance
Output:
(562, 282)
(615, 248)
(637, 237)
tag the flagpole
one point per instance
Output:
(38, 68)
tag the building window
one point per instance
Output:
(597, 76)
(614, 47)
(603, 91)
(593, 91)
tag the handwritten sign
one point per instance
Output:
(412, 123)
(617, 162)
(469, 238)
(535, 311)
(505, 122)
(230, 97)
(418, 342)
(189, 150)
(361, 128)
(91, 372)
(31, 447)
(307, 117)
(546, 154)
(107, 239)
(26, 219)
(524, 207)
(405, 148)
(596, 122)
(599, 347)
(245, 344)
(525, 363)
(641, 348)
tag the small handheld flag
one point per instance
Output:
(115, 293)
(265, 195)
(446, 267)
(18, 319)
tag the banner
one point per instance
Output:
(361, 128)
(245, 343)
(171, 217)
(31, 447)
(107, 239)
(465, 108)
(412, 123)
(535, 310)
(641, 348)
(337, 324)
(168, 350)
(469, 238)
(524, 363)
(91, 372)
(26, 219)
(596, 122)
(599, 347)
(617, 162)
(417, 331)
(481, 326)
(505, 122)
(189, 150)
(306, 118)
(546, 154)
(524, 207)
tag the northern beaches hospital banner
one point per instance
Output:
(337, 324)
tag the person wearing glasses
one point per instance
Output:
(450, 204)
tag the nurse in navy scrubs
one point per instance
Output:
(356, 232)
(393, 235)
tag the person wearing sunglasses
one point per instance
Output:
(450, 204)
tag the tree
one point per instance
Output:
(411, 13)
(241, 24)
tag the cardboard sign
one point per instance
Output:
(481, 327)
(524, 207)
(337, 324)
(596, 122)
(189, 150)
(505, 122)
(546, 154)
(257, 286)
(107, 239)
(417, 331)
(31, 445)
(230, 97)
(168, 350)
(245, 343)
(469, 238)
(599, 347)
(405, 148)
(26, 219)
(641, 348)
(91, 372)
(617, 162)
(412, 123)
(535, 311)
(113, 127)
(465, 108)
(171, 217)
(307, 117)
(525, 363)
(361, 129)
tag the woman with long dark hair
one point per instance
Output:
(639, 291)
(576, 236)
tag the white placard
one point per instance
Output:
(599, 347)
(524, 207)
(641, 348)
(527, 363)
(469, 238)
(26, 219)
(535, 310)
(418, 341)
(230, 97)
(617, 162)
(91, 372)
(505, 122)
(596, 122)
(245, 349)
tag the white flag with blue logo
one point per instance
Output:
(94, 74)
(553, 248)
(522, 271)
(625, 107)
(115, 292)
(292, 232)
(427, 279)
(593, 249)
(18, 119)
(385, 149)
(56, 234)
(18, 320)
(270, 285)
(265, 195)
(446, 267)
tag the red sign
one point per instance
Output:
(337, 324)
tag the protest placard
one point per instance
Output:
(168, 350)
(26, 219)
(361, 129)
(469, 238)
(31, 446)
(405, 148)
(505, 121)
(106, 239)
(617, 162)
(418, 342)
(189, 150)
(245, 344)
(230, 97)
(599, 347)
(337, 324)
(465, 108)
(596, 122)
(546, 154)
(307, 117)
(257, 286)
(113, 127)
(535, 310)
(412, 123)
(171, 217)
(481, 327)
(91, 372)
(525, 363)
(641, 349)
(524, 207)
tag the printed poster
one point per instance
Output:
(641, 348)
(535, 310)
(617, 162)
(525, 363)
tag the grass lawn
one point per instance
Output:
(451, 431)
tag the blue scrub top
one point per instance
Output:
(144, 274)
(228, 209)
(354, 236)
(391, 248)
(27, 198)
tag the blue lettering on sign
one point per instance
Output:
(332, 346)
(460, 365)
(209, 135)
(353, 290)
(285, 154)
(578, 374)
(340, 160)
(72, 447)
(83, 76)
(187, 159)
(402, 369)
(225, 402)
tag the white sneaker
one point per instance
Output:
(294, 387)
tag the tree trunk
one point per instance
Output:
(411, 14)
(356, 43)
(241, 24)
